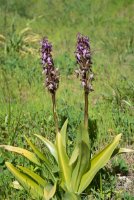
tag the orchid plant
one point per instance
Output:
(69, 176)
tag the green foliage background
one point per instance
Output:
(25, 106)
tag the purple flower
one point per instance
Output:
(52, 73)
(83, 58)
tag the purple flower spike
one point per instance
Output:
(83, 57)
(52, 73)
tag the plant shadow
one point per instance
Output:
(92, 131)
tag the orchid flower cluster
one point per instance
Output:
(52, 73)
(83, 56)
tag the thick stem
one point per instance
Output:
(54, 113)
(86, 111)
(87, 136)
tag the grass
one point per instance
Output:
(25, 106)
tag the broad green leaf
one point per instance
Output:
(29, 155)
(32, 187)
(63, 132)
(49, 145)
(71, 196)
(125, 150)
(81, 167)
(74, 155)
(63, 159)
(82, 135)
(97, 162)
(33, 175)
(48, 165)
(49, 191)
(38, 152)
(122, 150)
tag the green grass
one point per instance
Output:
(25, 106)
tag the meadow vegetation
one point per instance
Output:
(25, 104)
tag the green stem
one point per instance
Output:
(55, 113)
(86, 111)
(87, 136)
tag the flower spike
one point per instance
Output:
(83, 57)
(52, 73)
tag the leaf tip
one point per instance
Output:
(8, 164)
